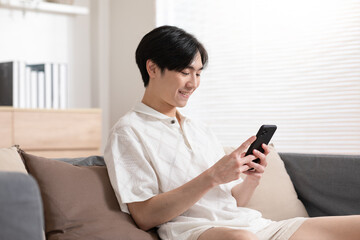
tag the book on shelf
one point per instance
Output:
(63, 86)
(41, 89)
(56, 84)
(9, 84)
(22, 82)
(27, 86)
(48, 85)
(42, 85)
(33, 89)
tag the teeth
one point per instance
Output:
(185, 93)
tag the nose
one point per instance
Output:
(194, 81)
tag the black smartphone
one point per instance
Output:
(264, 135)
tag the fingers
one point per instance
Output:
(258, 168)
(229, 168)
(243, 163)
(266, 148)
(244, 168)
(245, 145)
(248, 159)
(261, 156)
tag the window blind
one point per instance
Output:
(295, 64)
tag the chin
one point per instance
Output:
(182, 104)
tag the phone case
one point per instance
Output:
(264, 135)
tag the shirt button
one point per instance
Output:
(172, 121)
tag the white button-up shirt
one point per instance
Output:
(148, 153)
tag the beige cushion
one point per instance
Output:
(275, 197)
(10, 160)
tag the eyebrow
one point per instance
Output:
(191, 67)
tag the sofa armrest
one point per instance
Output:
(21, 215)
(328, 185)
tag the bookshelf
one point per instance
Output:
(38, 37)
(41, 6)
(37, 32)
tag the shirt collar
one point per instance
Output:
(145, 109)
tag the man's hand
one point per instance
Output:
(243, 192)
(259, 168)
(229, 168)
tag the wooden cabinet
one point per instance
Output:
(6, 127)
(52, 133)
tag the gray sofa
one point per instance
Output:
(21, 213)
(326, 184)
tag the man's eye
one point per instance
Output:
(198, 74)
(185, 73)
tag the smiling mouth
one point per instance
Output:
(185, 93)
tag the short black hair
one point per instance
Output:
(170, 48)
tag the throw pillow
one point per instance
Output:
(10, 160)
(79, 202)
(275, 197)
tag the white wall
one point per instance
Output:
(129, 22)
(117, 27)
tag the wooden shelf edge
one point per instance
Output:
(65, 154)
(68, 110)
(44, 7)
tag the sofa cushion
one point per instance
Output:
(330, 186)
(79, 202)
(10, 160)
(275, 197)
(84, 161)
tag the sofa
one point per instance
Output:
(72, 198)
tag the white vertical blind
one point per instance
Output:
(295, 64)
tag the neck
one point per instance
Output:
(158, 104)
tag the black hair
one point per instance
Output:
(169, 48)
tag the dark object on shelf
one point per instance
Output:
(6, 83)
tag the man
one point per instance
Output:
(171, 172)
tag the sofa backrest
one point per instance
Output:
(328, 185)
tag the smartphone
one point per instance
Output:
(264, 135)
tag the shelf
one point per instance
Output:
(75, 133)
(44, 7)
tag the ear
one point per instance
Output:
(152, 68)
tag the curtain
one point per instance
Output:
(295, 64)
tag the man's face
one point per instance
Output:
(175, 88)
